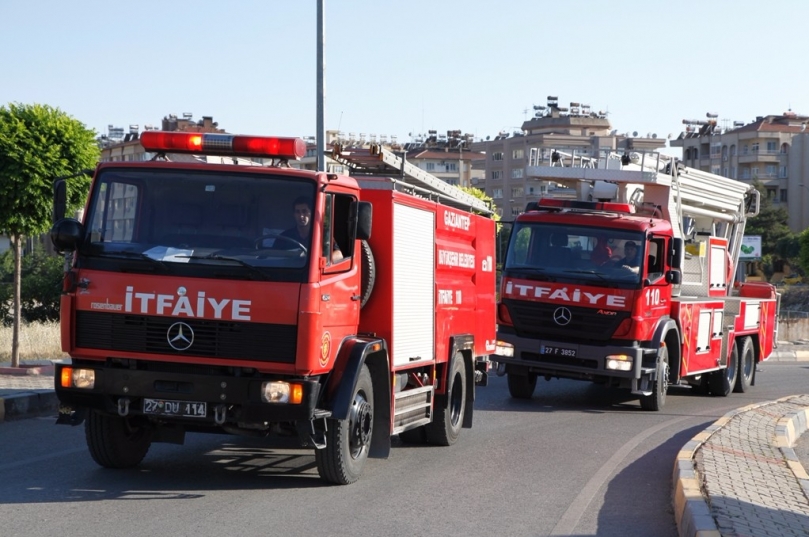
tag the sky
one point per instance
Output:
(403, 68)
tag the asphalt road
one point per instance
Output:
(577, 459)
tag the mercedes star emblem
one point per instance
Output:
(562, 316)
(180, 336)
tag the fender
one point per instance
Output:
(666, 326)
(340, 386)
(465, 345)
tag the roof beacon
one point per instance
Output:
(223, 144)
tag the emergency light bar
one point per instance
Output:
(223, 144)
(551, 203)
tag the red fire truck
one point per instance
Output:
(629, 280)
(254, 300)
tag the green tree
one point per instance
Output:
(40, 289)
(772, 223)
(804, 250)
(37, 144)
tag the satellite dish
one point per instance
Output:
(634, 133)
(654, 135)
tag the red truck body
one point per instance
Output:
(184, 308)
(671, 314)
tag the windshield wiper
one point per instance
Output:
(129, 254)
(593, 272)
(533, 273)
(253, 269)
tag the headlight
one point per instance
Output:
(504, 349)
(619, 362)
(78, 378)
(282, 392)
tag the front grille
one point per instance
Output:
(214, 339)
(535, 319)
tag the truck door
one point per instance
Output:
(340, 266)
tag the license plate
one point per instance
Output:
(557, 351)
(185, 409)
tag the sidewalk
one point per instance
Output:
(741, 476)
(27, 391)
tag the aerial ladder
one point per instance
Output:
(697, 203)
(378, 161)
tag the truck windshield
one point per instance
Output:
(200, 223)
(555, 252)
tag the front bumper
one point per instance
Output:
(229, 399)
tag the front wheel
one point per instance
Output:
(522, 386)
(657, 399)
(450, 408)
(116, 442)
(348, 441)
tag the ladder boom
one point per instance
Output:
(378, 161)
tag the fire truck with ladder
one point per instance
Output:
(188, 307)
(631, 281)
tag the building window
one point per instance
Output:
(430, 166)
(783, 194)
(754, 172)
(733, 151)
(771, 170)
(516, 173)
(515, 211)
(452, 167)
(733, 172)
(771, 193)
(725, 172)
(518, 154)
(745, 173)
(497, 155)
(517, 192)
(784, 148)
(715, 170)
(716, 150)
(771, 147)
(496, 174)
(754, 147)
(782, 173)
(497, 193)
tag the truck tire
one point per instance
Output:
(522, 386)
(348, 441)
(367, 273)
(449, 409)
(747, 366)
(722, 381)
(116, 442)
(657, 399)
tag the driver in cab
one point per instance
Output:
(301, 232)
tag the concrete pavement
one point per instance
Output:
(739, 477)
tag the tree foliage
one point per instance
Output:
(803, 238)
(772, 223)
(37, 144)
(40, 290)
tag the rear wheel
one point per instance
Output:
(348, 441)
(722, 381)
(449, 408)
(657, 399)
(522, 386)
(116, 442)
(747, 366)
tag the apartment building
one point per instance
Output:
(771, 149)
(575, 130)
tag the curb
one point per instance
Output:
(692, 513)
(27, 405)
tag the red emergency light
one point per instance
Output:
(223, 144)
(609, 206)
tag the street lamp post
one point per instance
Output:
(321, 131)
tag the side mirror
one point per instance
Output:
(677, 253)
(674, 277)
(59, 199)
(67, 234)
(365, 213)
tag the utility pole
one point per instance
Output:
(321, 93)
